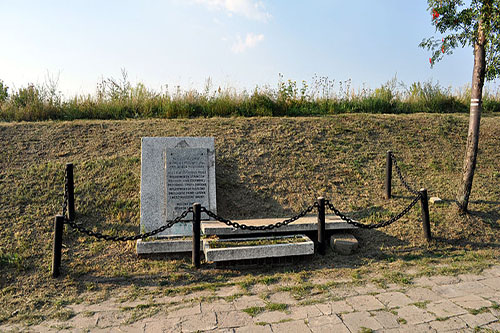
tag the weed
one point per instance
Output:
(254, 310)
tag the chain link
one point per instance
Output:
(241, 226)
(400, 175)
(376, 225)
(99, 235)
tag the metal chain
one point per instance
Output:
(241, 226)
(99, 235)
(376, 225)
(400, 175)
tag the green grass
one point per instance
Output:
(265, 167)
(119, 99)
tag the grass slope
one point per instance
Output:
(265, 167)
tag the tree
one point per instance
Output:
(473, 23)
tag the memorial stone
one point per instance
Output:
(175, 173)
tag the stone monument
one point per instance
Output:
(175, 173)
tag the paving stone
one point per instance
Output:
(282, 297)
(495, 327)
(325, 308)
(323, 320)
(327, 324)
(365, 303)
(233, 319)
(342, 292)
(303, 312)
(480, 319)
(217, 306)
(270, 317)
(185, 311)
(421, 294)
(445, 308)
(493, 283)
(254, 329)
(386, 319)
(259, 289)
(343, 243)
(394, 299)
(356, 320)
(451, 324)
(228, 291)
(199, 322)
(369, 288)
(110, 318)
(419, 328)
(245, 302)
(162, 325)
(414, 315)
(471, 302)
(470, 277)
(424, 281)
(341, 307)
(492, 271)
(296, 326)
(442, 279)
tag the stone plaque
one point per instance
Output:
(186, 182)
(175, 173)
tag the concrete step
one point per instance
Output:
(246, 252)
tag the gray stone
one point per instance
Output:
(445, 308)
(471, 302)
(420, 294)
(175, 173)
(254, 329)
(479, 319)
(173, 244)
(365, 303)
(233, 319)
(297, 326)
(303, 312)
(386, 319)
(414, 315)
(343, 243)
(257, 251)
(436, 200)
(355, 321)
(453, 324)
(393, 299)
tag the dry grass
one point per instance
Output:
(265, 167)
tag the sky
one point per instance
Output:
(236, 43)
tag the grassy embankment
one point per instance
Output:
(119, 99)
(265, 167)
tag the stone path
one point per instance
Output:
(466, 303)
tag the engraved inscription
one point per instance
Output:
(186, 172)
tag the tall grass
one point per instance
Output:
(119, 99)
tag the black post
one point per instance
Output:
(58, 234)
(321, 226)
(71, 191)
(425, 214)
(388, 175)
(196, 234)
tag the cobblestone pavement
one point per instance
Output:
(465, 303)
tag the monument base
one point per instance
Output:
(174, 244)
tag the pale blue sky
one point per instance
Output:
(238, 43)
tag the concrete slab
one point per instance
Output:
(307, 223)
(257, 251)
(165, 245)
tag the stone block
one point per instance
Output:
(436, 200)
(165, 245)
(343, 243)
(257, 251)
(175, 173)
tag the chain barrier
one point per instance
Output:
(99, 235)
(400, 175)
(241, 226)
(376, 225)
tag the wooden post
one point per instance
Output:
(425, 214)
(71, 191)
(57, 245)
(388, 175)
(196, 234)
(321, 226)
